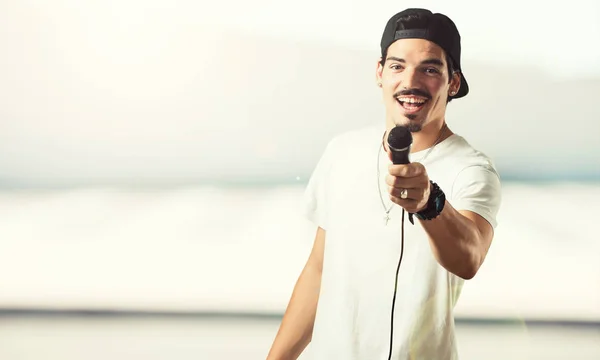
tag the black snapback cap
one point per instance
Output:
(439, 30)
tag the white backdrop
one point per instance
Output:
(241, 250)
(115, 96)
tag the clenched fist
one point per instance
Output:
(409, 186)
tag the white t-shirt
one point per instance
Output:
(361, 251)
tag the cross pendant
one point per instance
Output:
(387, 218)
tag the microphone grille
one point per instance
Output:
(399, 138)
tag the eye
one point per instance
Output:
(432, 70)
(396, 67)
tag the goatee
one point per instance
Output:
(413, 126)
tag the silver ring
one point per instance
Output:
(403, 194)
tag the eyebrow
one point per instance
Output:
(432, 61)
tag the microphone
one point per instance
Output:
(399, 142)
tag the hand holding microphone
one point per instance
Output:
(408, 183)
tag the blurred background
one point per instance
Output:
(153, 155)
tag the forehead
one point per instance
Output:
(415, 50)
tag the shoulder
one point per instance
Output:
(358, 136)
(464, 164)
(462, 153)
(349, 143)
(475, 183)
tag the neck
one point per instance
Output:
(430, 135)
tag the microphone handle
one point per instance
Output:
(400, 156)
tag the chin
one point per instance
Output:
(412, 122)
(415, 127)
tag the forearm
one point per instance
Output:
(296, 327)
(456, 242)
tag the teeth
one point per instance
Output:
(412, 100)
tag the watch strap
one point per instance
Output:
(435, 205)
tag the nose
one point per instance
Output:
(409, 78)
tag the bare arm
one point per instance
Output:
(459, 239)
(295, 331)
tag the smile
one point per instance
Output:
(411, 104)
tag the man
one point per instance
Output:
(349, 302)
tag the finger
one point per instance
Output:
(406, 170)
(406, 193)
(418, 182)
(409, 205)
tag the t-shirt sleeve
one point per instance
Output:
(315, 194)
(477, 188)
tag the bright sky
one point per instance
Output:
(552, 36)
(561, 39)
(99, 77)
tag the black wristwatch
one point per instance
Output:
(435, 205)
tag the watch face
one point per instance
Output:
(439, 202)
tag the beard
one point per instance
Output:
(412, 125)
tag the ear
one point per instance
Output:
(379, 72)
(454, 83)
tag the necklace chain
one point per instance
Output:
(387, 210)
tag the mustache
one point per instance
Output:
(414, 92)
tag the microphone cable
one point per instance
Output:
(396, 288)
(402, 138)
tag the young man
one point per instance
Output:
(349, 302)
